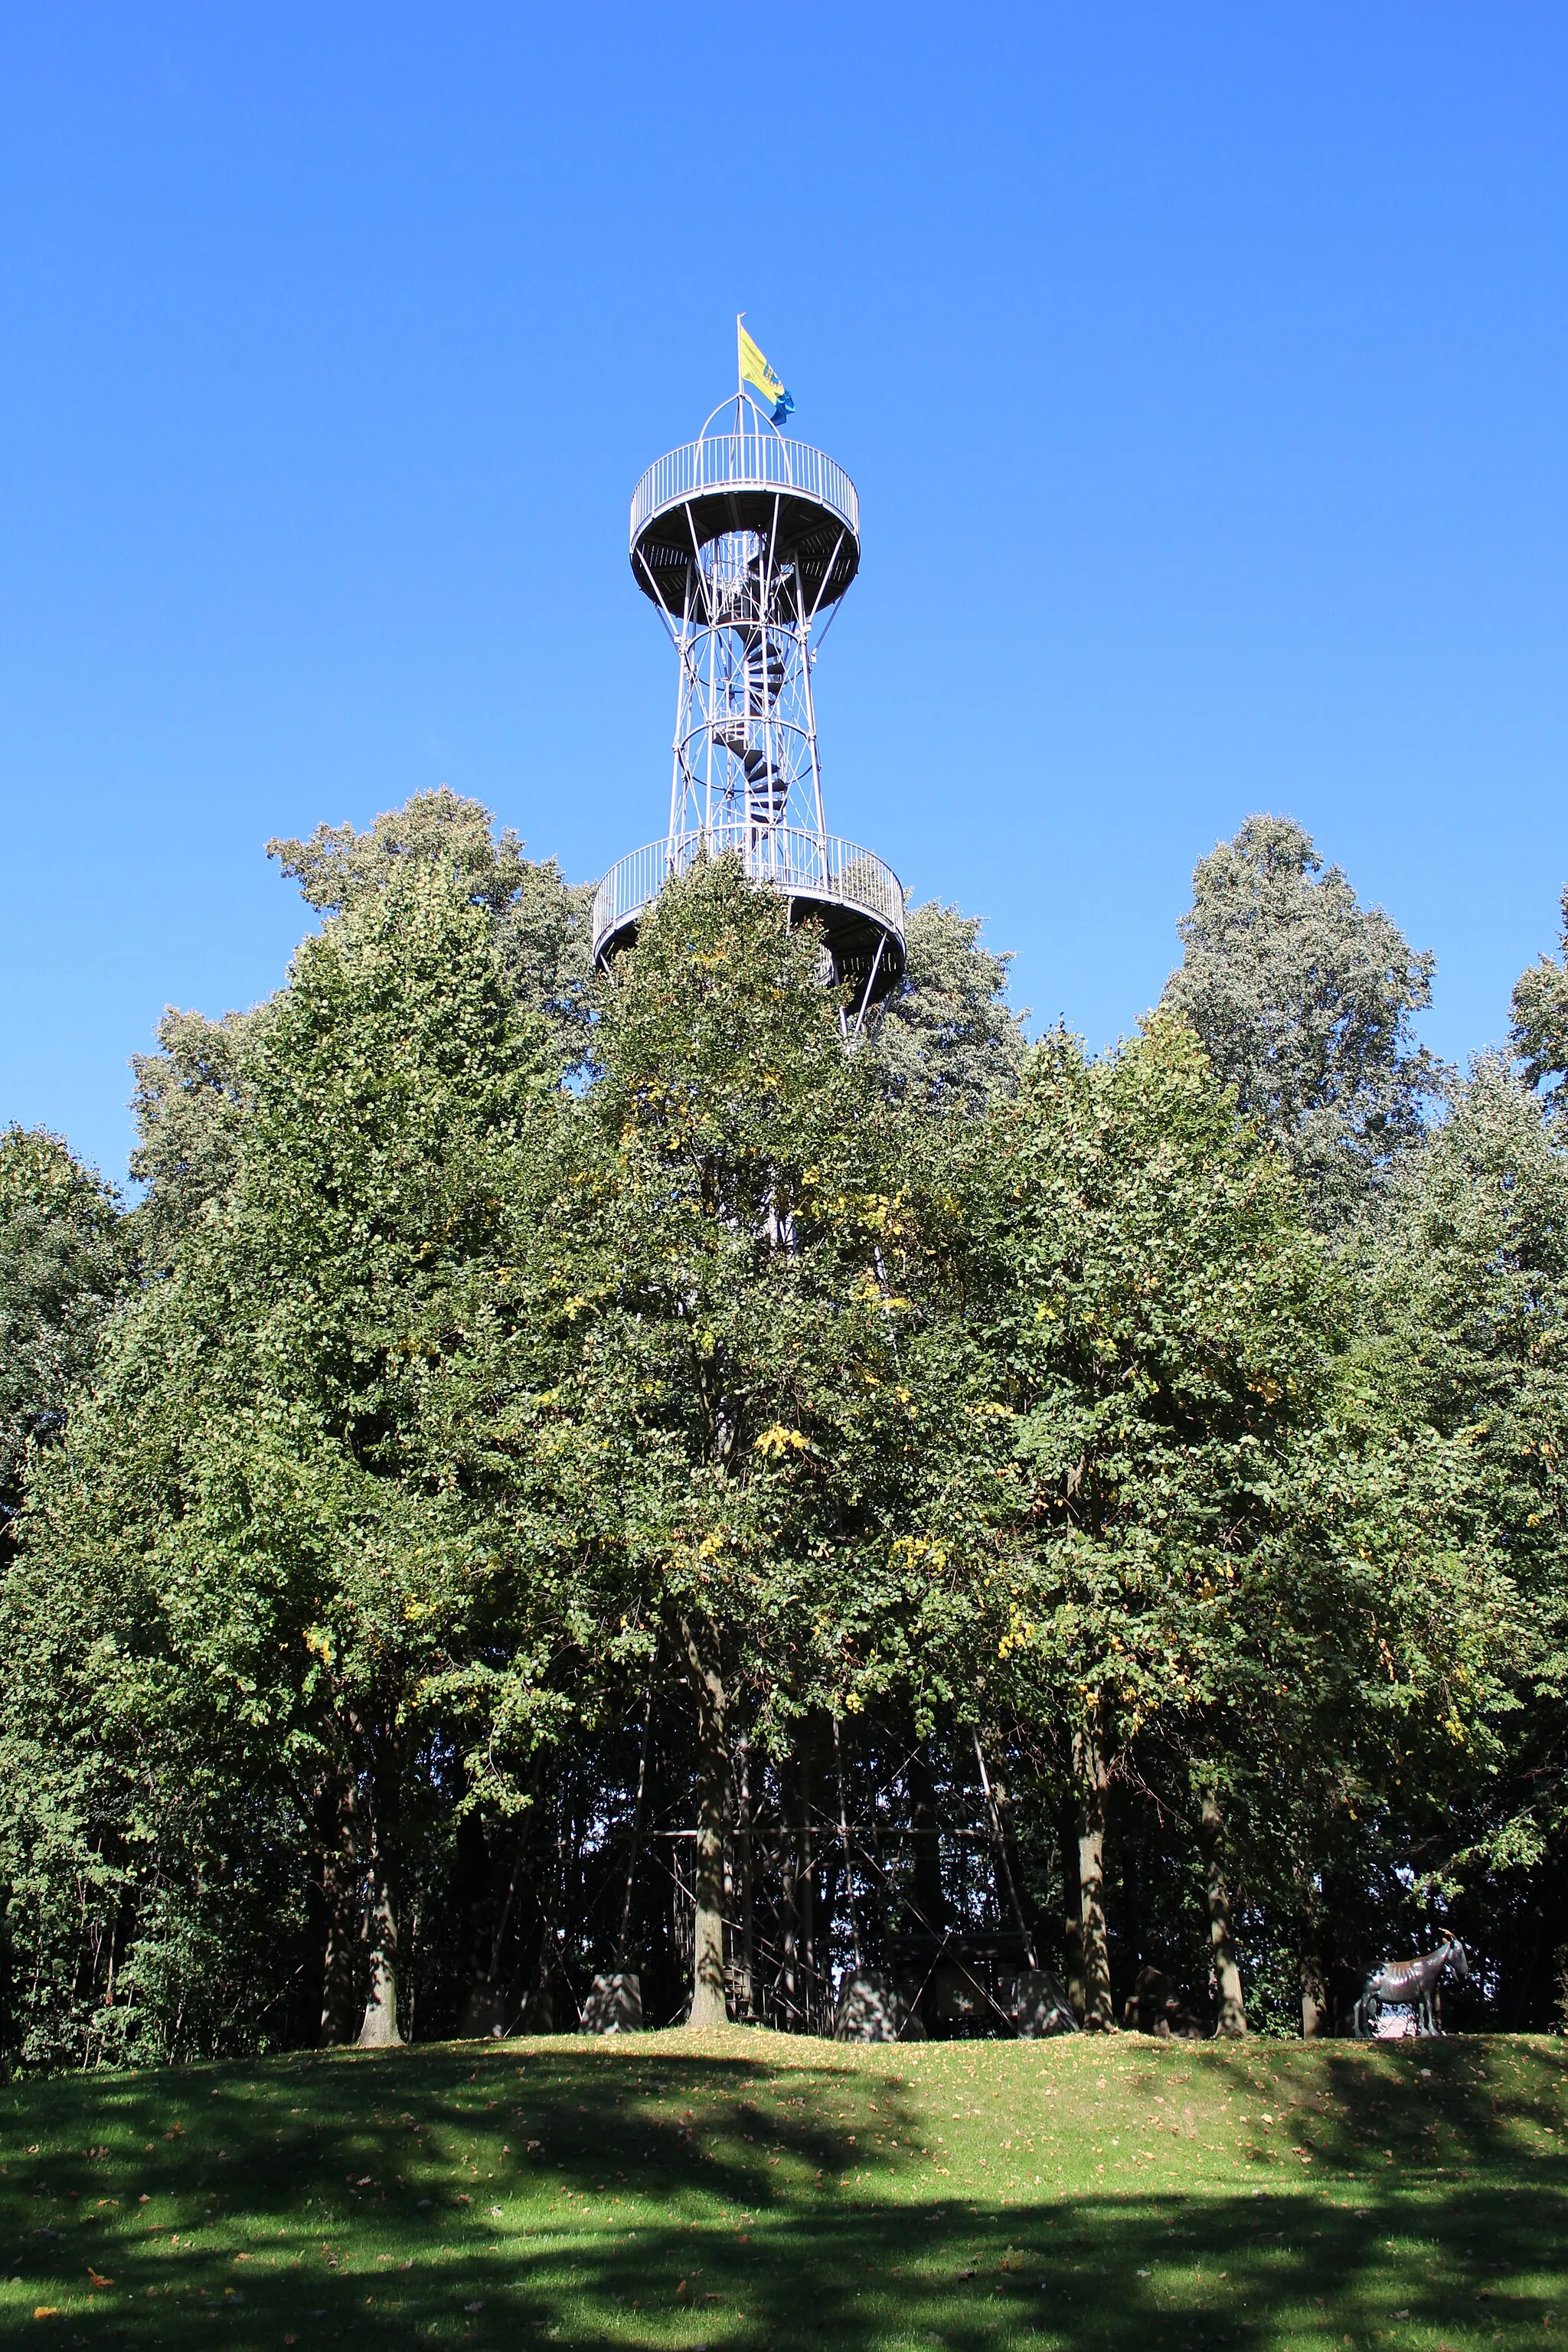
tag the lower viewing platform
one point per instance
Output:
(857, 900)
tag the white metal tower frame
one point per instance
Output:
(745, 751)
(745, 542)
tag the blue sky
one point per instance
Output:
(1202, 369)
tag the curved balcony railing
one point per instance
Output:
(761, 461)
(800, 864)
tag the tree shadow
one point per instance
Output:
(552, 2192)
(1415, 2107)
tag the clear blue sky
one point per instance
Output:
(1202, 369)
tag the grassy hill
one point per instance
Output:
(743, 2190)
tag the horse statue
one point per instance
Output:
(1408, 1984)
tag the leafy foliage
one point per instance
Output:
(288, 1583)
(947, 1035)
(571, 1471)
(542, 922)
(743, 1290)
(60, 1261)
(1173, 1323)
(1304, 1000)
(1469, 1293)
(190, 1102)
(1539, 1029)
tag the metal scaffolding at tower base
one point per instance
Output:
(859, 898)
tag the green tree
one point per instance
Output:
(193, 1094)
(60, 1266)
(1165, 1330)
(1305, 1001)
(947, 1035)
(746, 1382)
(542, 921)
(1372, 1639)
(1468, 1296)
(1540, 1031)
(190, 1102)
(299, 1580)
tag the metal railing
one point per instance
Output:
(799, 864)
(763, 461)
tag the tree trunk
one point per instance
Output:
(379, 2031)
(472, 1901)
(343, 1908)
(1072, 1910)
(709, 2005)
(1093, 1774)
(1315, 2018)
(1222, 1939)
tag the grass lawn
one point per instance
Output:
(739, 2188)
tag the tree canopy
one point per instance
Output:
(1305, 1001)
(59, 1272)
(947, 1035)
(1540, 1031)
(565, 1478)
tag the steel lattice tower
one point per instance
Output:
(745, 542)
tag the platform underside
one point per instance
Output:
(868, 955)
(799, 530)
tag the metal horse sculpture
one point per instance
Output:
(1408, 1984)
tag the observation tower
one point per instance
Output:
(745, 542)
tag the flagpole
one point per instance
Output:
(739, 379)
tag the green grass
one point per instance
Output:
(741, 2190)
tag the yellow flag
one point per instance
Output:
(755, 372)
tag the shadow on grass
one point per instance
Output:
(1141, 2273)
(1473, 2101)
(548, 2194)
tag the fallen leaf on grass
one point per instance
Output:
(47, 2311)
(98, 2278)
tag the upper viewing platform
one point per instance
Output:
(795, 498)
(743, 538)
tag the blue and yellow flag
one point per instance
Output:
(755, 372)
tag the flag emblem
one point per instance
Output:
(756, 372)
